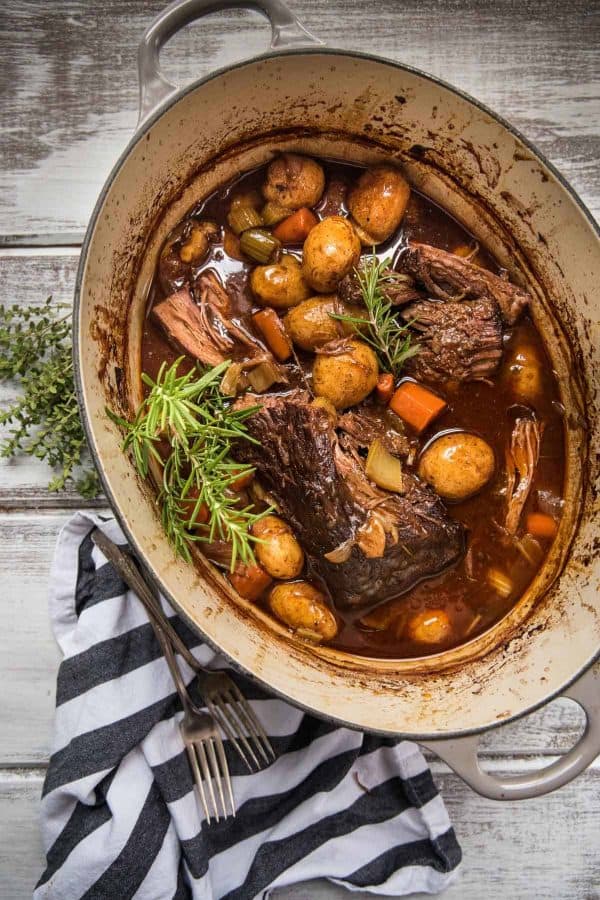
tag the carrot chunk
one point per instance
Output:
(295, 228)
(242, 481)
(250, 581)
(417, 405)
(385, 388)
(541, 525)
(272, 329)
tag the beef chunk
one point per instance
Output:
(207, 330)
(459, 340)
(324, 494)
(400, 289)
(450, 277)
(367, 422)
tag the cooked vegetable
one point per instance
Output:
(457, 465)
(243, 481)
(188, 244)
(263, 376)
(500, 582)
(259, 244)
(304, 609)
(251, 198)
(234, 380)
(241, 218)
(370, 537)
(379, 200)
(416, 405)
(294, 181)
(313, 322)
(195, 509)
(231, 245)
(522, 457)
(467, 251)
(295, 229)
(280, 284)
(541, 525)
(385, 387)
(189, 414)
(250, 580)
(524, 372)
(277, 549)
(390, 339)
(345, 372)
(331, 250)
(530, 549)
(430, 626)
(272, 213)
(383, 468)
(272, 329)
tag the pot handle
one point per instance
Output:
(286, 31)
(461, 753)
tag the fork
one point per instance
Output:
(224, 700)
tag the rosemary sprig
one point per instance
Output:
(391, 341)
(35, 351)
(192, 423)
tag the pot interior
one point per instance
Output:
(360, 110)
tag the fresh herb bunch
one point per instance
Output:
(190, 421)
(391, 341)
(35, 350)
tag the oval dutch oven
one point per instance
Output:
(306, 98)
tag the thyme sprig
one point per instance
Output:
(35, 351)
(390, 340)
(188, 428)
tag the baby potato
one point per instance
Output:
(331, 250)
(304, 608)
(379, 200)
(187, 245)
(347, 377)
(278, 551)
(280, 284)
(310, 324)
(457, 465)
(524, 372)
(294, 181)
(430, 626)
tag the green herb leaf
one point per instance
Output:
(35, 351)
(195, 426)
(390, 340)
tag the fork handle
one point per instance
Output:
(133, 578)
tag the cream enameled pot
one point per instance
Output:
(305, 97)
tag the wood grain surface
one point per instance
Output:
(69, 106)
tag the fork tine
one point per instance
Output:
(240, 711)
(220, 719)
(225, 770)
(198, 779)
(247, 707)
(201, 751)
(216, 773)
(227, 713)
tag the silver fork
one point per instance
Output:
(224, 700)
(199, 730)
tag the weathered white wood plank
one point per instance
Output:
(546, 848)
(69, 88)
(29, 657)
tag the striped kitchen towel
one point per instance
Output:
(119, 814)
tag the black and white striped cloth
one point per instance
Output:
(119, 815)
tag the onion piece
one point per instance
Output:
(383, 468)
(500, 582)
(370, 537)
(341, 553)
(549, 503)
(263, 376)
(233, 380)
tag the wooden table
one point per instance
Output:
(69, 98)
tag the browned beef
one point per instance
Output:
(447, 276)
(207, 330)
(324, 494)
(368, 422)
(459, 340)
(398, 290)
